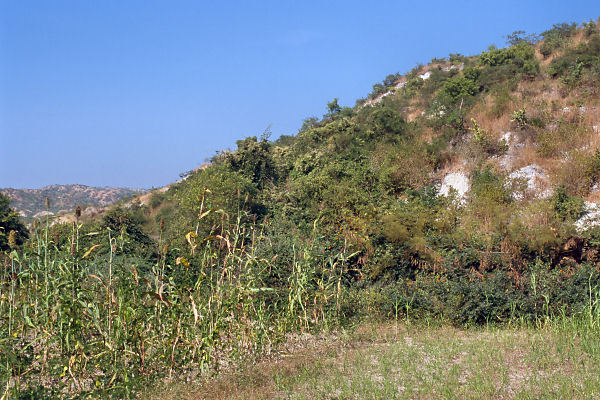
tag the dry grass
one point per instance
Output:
(256, 381)
(407, 361)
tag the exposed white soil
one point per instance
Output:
(536, 182)
(455, 181)
(591, 217)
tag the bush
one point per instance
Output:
(253, 157)
(486, 184)
(590, 28)
(460, 87)
(566, 206)
(578, 62)
(579, 172)
(495, 57)
(521, 57)
(556, 37)
(128, 224)
(12, 231)
(401, 168)
(519, 117)
(483, 143)
(546, 49)
(564, 138)
(157, 199)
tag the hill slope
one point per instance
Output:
(499, 152)
(31, 203)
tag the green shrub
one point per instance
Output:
(521, 57)
(456, 58)
(565, 137)
(566, 206)
(460, 87)
(556, 37)
(519, 117)
(483, 143)
(590, 28)
(576, 62)
(579, 172)
(486, 184)
(495, 57)
(128, 225)
(546, 49)
(518, 37)
(502, 97)
(157, 199)
(10, 222)
(253, 157)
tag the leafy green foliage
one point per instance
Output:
(460, 87)
(518, 37)
(556, 37)
(520, 57)
(254, 159)
(483, 144)
(128, 223)
(9, 222)
(565, 206)
(578, 63)
(486, 184)
(519, 117)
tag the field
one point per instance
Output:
(404, 360)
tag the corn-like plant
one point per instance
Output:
(97, 322)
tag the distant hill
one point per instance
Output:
(31, 203)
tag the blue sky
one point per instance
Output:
(132, 93)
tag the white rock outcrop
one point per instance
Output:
(514, 145)
(425, 76)
(536, 180)
(590, 218)
(457, 181)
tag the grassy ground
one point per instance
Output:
(410, 361)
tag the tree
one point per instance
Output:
(128, 224)
(519, 37)
(333, 107)
(10, 222)
(253, 159)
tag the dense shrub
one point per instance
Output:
(460, 87)
(556, 37)
(566, 206)
(9, 222)
(520, 57)
(483, 144)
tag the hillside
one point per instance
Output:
(465, 192)
(31, 203)
(512, 131)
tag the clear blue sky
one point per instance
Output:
(131, 93)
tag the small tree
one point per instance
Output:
(333, 107)
(253, 159)
(518, 37)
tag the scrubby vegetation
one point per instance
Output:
(341, 222)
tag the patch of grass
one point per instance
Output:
(555, 360)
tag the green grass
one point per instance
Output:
(557, 361)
